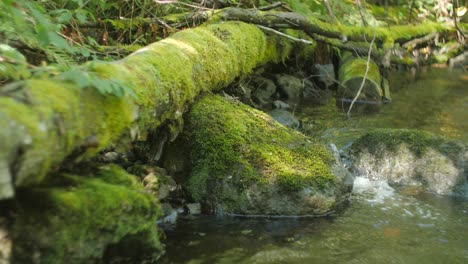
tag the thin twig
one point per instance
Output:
(285, 35)
(165, 2)
(365, 76)
(330, 11)
(414, 42)
(272, 6)
(410, 15)
(361, 12)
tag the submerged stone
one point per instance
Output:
(285, 118)
(411, 157)
(244, 162)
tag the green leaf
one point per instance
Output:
(85, 52)
(59, 42)
(92, 41)
(11, 53)
(65, 17)
(43, 36)
(81, 17)
(76, 76)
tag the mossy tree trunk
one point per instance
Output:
(352, 38)
(356, 84)
(43, 122)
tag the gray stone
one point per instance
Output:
(160, 185)
(264, 90)
(285, 118)
(410, 157)
(194, 208)
(326, 74)
(290, 86)
(6, 186)
(170, 214)
(280, 105)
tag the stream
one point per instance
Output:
(382, 224)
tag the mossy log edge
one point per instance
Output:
(44, 121)
(351, 77)
(349, 38)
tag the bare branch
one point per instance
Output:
(286, 35)
(330, 11)
(361, 12)
(272, 6)
(413, 43)
(165, 2)
(364, 78)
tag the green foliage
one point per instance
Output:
(87, 79)
(27, 30)
(27, 23)
(13, 64)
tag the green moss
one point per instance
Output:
(417, 141)
(386, 35)
(75, 220)
(57, 119)
(351, 74)
(234, 142)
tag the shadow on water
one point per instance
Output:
(393, 229)
(382, 224)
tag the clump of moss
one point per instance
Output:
(417, 141)
(239, 153)
(76, 219)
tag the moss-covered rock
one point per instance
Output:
(411, 157)
(244, 162)
(79, 218)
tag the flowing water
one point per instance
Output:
(381, 225)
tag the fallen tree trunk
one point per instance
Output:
(350, 38)
(311, 26)
(43, 122)
(352, 77)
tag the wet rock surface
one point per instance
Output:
(411, 157)
(285, 118)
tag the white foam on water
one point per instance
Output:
(375, 191)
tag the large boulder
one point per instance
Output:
(246, 163)
(411, 157)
